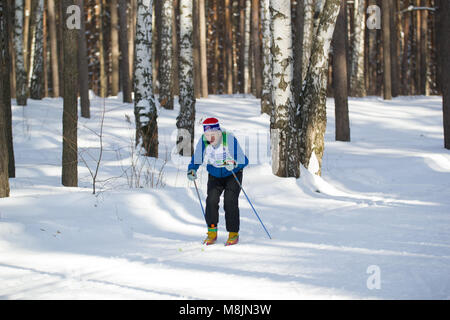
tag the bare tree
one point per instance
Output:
(123, 43)
(70, 94)
(53, 47)
(4, 96)
(443, 34)
(83, 76)
(342, 123)
(387, 76)
(5, 90)
(115, 52)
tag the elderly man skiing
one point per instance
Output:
(224, 157)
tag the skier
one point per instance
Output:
(224, 157)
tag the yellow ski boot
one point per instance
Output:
(233, 238)
(212, 236)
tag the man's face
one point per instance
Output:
(213, 137)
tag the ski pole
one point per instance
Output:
(237, 180)
(199, 199)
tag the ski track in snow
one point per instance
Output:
(382, 201)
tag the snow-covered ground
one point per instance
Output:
(375, 226)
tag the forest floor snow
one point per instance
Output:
(376, 225)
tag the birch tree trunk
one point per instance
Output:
(283, 134)
(311, 112)
(357, 84)
(37, 74)
(186, 117)
(70, 94)
(21, 74)
(266, 91)
(308, 34)
(166, 58)
(144, 102)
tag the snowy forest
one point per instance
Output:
(341, 106)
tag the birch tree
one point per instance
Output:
(37, 74)
(144, 101)
(357, 85)
(309, 7)
(266, 93)
(21, 74)
(166, 63)
(283, 133)
(186, 117)
(311, 111)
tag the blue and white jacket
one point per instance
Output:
(216, 157)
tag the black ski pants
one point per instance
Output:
(216, 186)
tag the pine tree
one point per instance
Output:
(70, 94)
(387, 75)
(83, 76)
(144, 101)
(186, 118)
(123, 43)
(4, 103)
(53, 47)
(443, 34)
(340, 87)
(5, 94)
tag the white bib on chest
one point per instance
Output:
(217, 156)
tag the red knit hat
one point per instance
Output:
(211, 124)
